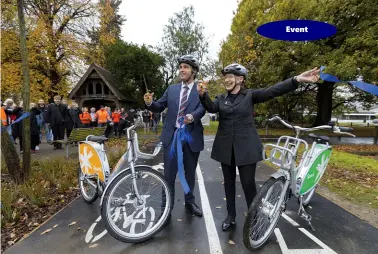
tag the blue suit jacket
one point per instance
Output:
(171, 99)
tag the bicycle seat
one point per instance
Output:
(98, 139)
(320, 139)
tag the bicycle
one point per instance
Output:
(135, 199)
(292, 179)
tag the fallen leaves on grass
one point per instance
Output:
(357, 148)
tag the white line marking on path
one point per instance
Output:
(212, 234)
(209, 140)
(286, 250)
(290, 220)
(320, 243)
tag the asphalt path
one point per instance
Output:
(337, 231)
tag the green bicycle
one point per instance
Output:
(298, 179)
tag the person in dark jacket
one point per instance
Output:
(56, 114)
(18, 127)
(72, 119)
(146, 120)
(43, 125)
(237, 143)
(34, 127)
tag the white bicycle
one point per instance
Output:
(298, 179)
(135, 199)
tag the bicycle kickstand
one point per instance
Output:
(304, 215)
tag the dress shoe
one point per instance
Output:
(194, 209)
(228, 222)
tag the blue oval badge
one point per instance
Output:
(296, 30)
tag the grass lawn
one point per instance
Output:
(359, 131)
(213, 127)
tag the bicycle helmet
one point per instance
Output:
(189, 59)
(236, 69)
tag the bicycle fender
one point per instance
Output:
(114, 177)
(278, 175)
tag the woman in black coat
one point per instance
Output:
(237, 143)
(34, 127)
(72, 119)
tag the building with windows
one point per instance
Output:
(360, 115)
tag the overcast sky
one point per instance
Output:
(147, 18)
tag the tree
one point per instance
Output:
(11, 159)
(55, 33)
(182, 36)
(270, 61)
(131, 64)
(351, 52)
(8, 148)
(107, 33)
(62, 31)
(25, 91)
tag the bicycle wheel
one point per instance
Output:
(263, 214)
(307, 197)
(88, 188)
(131, 220)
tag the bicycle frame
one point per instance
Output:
(130, 156)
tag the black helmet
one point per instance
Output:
(236, 69)
(189, 59)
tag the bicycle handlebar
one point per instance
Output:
(135, 143)
(335, 129)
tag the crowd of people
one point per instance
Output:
(56, 121)
(236, 144)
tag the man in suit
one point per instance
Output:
(56, 114)
(182, 100)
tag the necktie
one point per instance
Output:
(184, 102)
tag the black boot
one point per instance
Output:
(228, 222)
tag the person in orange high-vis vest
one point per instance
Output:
(4, 117)
(116, 115)
(102, 117)
(85, 118)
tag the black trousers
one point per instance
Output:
(116, 129)
(190, 166)
(58, 132)
(34, 141)
(247, 178)
(68, 132)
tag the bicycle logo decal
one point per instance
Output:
(129, 221)
(90, 161)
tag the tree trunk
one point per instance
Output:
(11, 159)
(25, 90)
(324, 103)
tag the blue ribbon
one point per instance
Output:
(370, 88)
(180, 135)
(22, 117)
